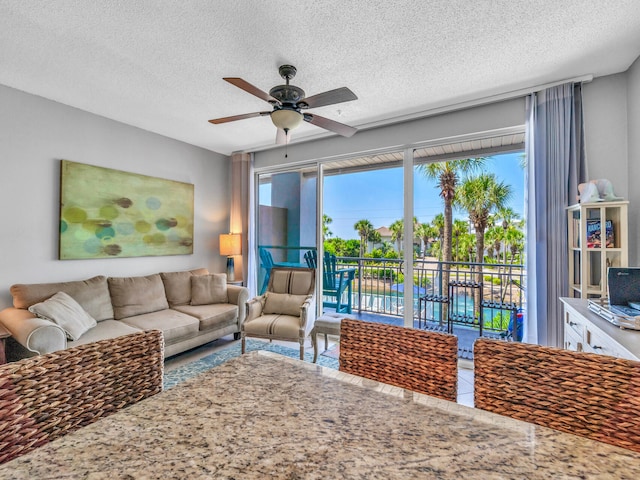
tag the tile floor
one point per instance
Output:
(465, 367)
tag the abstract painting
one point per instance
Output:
(106, 213)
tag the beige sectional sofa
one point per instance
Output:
(191, 308)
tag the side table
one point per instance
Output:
(235, 282)
(4, 334)
(328, 324)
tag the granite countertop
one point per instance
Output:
(266, 416)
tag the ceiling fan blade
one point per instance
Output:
(233, 118)
(282, 137)
(338, 95)
(253, 90)
(337, 127)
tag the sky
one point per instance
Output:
(377, 195)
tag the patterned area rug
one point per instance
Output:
(185, 372)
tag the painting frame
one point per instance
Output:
(108, 213)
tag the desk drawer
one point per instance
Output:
(572, 341)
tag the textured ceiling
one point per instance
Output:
(158, 64)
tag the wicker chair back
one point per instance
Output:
(45, 397)
(418, 360)
(594, 396)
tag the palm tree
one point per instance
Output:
(363, 227)
(326, 232)
(507, 215)
(397, 233)
(427, 233)
(446, 174)
(479, 196)
(459, 229)
(374, 237)
(438, 224)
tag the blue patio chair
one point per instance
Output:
(335, 281)
(267, 263)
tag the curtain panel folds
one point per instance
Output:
(240, 207)
(556, 164)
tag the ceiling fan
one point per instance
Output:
(288, 103)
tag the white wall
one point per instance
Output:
(36, 133)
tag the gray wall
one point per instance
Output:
(463, 122)
(36, 133)
(633, 121)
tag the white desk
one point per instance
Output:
(267, 416)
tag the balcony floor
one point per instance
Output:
(466, 336)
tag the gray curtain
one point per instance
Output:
(556, 165)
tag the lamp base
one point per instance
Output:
(230, 270)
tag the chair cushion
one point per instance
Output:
(282, 326)
(137, 295)
(212, 316)
(177, 285)
(63, 310)
(208, 289)
(283, 303)
(92, 295)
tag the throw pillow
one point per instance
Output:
(283, 303)
(63, 310)
(208, 289)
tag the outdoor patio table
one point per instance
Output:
(263, 415)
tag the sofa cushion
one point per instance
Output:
(212, 316)
(137, 295)
(208, 289)
(92, 295)
(64, 311)
(177, 285)
(283, 303)
(103, 331)
(175, 325)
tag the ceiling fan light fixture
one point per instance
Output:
(286, 119)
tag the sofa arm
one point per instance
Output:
(238, 296)
(35, 334)
(254, 308)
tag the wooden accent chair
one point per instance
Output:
(336, 282)
(418, 360)
(286, 311)
(594, 396)
(45, 397)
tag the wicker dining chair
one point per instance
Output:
(418, 360)
(47, 396)
(591, 395)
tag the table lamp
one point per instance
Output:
(230, 244)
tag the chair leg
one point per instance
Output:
(314, 342)
(302, 349)
(243, 344)
(326, 342)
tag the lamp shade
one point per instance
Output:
(230, 244)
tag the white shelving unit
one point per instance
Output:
(598, 239)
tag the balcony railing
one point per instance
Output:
(486, 297)
(482, 296)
